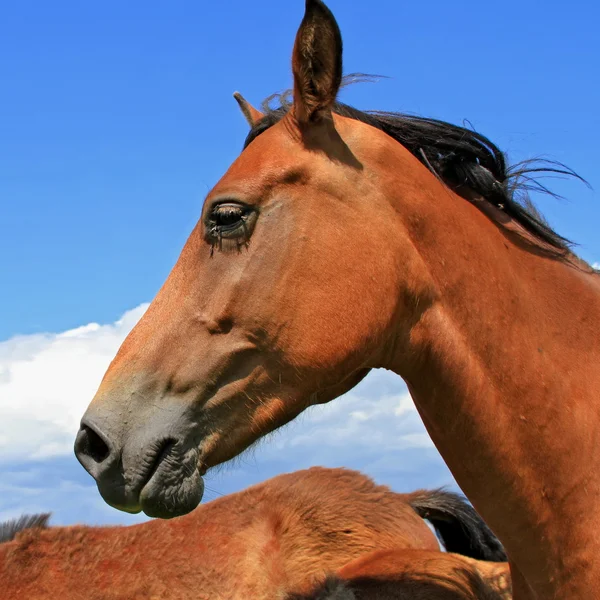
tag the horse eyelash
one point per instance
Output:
(217, 237)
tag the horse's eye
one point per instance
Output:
(230, 221)
(227, 215)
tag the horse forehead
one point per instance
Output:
(270, 158)
(279, 156)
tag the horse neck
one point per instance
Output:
(502, 362)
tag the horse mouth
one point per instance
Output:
(164, 449)
(173, 483)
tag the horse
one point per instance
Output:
(341, 241)
(415, 574)
(276, 538)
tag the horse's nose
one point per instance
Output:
(93, 450)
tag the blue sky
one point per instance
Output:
(116, 119)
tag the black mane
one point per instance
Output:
(9, 529)
(460, 157)
(458, 524)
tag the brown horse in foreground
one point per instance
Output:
(273, 539)
(341, 241)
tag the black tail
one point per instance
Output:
(461, 528)
(9, 529)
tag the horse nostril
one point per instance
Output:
(90, 444)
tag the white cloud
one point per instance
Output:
(596, 265)
(365, 417)
(47, 381)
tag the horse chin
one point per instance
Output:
(175, 488)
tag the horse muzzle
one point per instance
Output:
(153, 467)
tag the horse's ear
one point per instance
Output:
(252, 115)
(316, 63)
